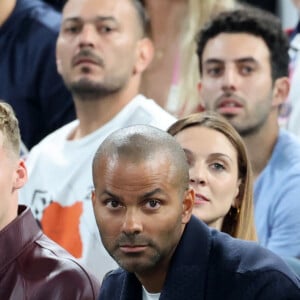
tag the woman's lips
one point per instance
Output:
(200, 199)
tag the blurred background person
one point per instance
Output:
(29, 81)
(291, 112)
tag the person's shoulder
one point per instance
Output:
(159, 117)
(251, 267)
(112, 284)
(57, 137)
(247, 257)
(49, 261)
(286, 155)
(41, 15)
(287, 137)
(114, 275)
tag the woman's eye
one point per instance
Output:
(218, 166)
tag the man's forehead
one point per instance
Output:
(85, 8)
(225, 49)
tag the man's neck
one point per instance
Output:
(93, 114)
(260, 146)
(6, 9)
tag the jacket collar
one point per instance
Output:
(186, 278)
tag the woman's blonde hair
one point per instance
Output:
(239, 221)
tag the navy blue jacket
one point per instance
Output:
(28, 77)
(211, 265)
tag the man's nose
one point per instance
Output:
(229, 79)
(133, 222)
(88, 36)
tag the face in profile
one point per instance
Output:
(213, 170)
(13, 176)
(140, 211)
(98, 45)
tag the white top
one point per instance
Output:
(150, 296)
(60, 183)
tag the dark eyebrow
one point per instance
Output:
(97, 19)
(213, 61)
(152, 193)
(238, 60)
(144, 196)
(109, 194)
(246, 60)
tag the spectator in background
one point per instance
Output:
(31, 265)
(243, 61)
(28, 77)
(220, 173)
(143, 206)
(292, 109)
(102, 51)
(172, 76)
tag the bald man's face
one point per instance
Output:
(140, 211)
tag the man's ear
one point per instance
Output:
(280, 91)
(145, 52)
(188, 204)
(20, 175)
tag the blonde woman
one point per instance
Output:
(220, 173)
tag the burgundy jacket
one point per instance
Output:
(33, 267)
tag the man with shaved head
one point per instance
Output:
(143, 207)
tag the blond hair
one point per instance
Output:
(9, 126)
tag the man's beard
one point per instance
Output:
(251, 129)
(87, 90)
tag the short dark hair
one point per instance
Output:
(253, 21)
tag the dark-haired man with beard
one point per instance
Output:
(243, 61)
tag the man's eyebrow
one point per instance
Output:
(97, 19)
(152, 193)
(213, 61)
(106, 192)
(248, 59)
